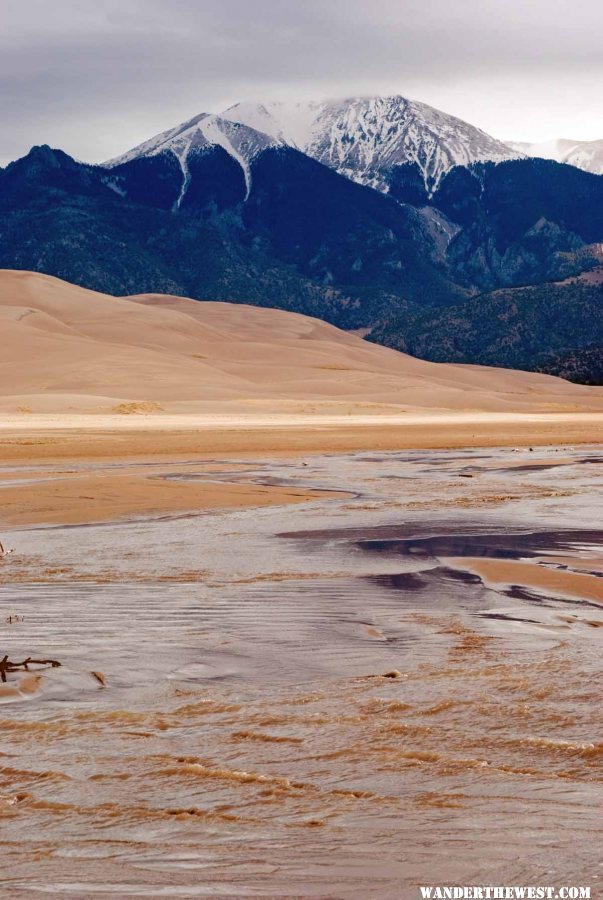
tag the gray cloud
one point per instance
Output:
(97, 76)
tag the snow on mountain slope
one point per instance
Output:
(198, 135)
(587, 155)
(364, 137)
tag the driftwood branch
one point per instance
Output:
(7, 665)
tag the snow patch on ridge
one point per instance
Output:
(181, 151)
(200, 134)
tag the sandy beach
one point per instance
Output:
(61, 436)
(109, 467)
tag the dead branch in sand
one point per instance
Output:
(7, 665)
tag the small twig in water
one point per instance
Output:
(7, 665)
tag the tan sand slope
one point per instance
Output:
(63, 348)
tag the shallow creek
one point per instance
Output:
(326, 700)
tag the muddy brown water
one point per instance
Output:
(245, 741)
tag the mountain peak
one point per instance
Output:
(199, 135)
(41, 159)
(43, 154)
(364, 138)
(587, 155)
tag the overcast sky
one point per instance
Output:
(96, 77)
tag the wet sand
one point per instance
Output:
(108, 468)
(27, 438)
(221, 723)
(571, 584)
(97, 493)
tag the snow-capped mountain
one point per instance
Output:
(199, 135)
(364, 138)
(587, 155)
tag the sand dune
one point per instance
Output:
(67, 349)
(519, 572)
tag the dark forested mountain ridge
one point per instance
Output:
(289, 232)
(247, 219)
(517, 222)
(555, 328)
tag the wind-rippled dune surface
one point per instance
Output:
(67, 350)
(347, 697)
